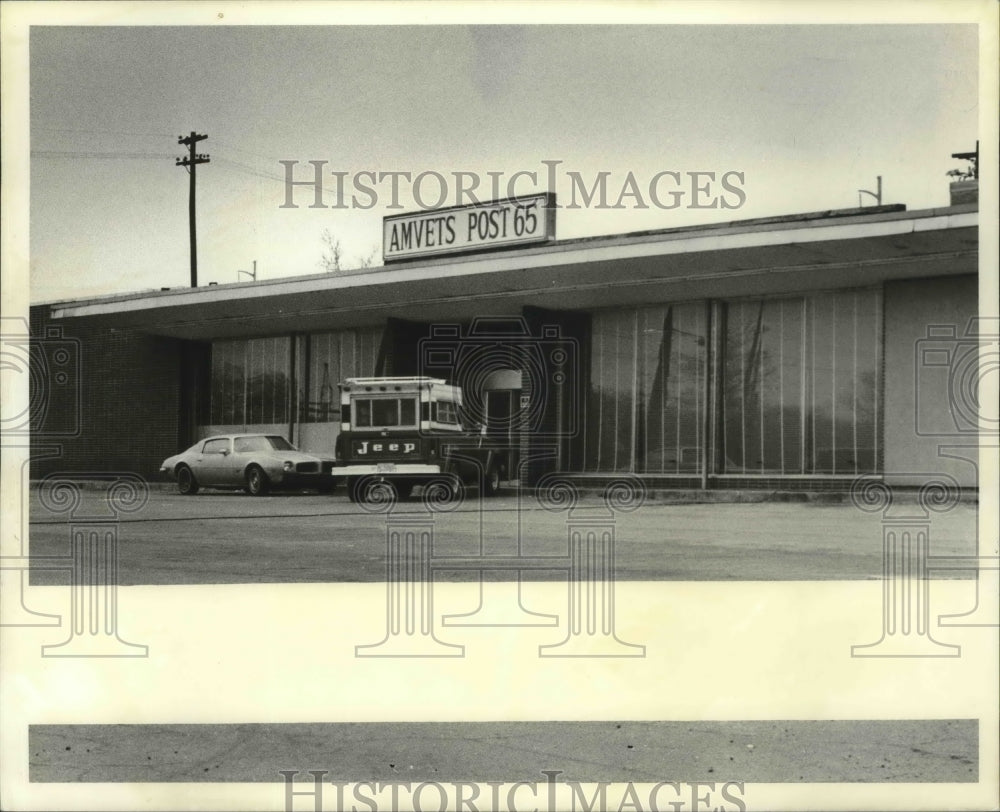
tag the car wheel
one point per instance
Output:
(186, 483)
(257, 484)
(492, 482)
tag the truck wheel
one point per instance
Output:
(369, 489)
(492, 482)
(444, 493)
(187, 485)
(257, 483)
(379, 492)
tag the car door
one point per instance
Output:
(214, 462)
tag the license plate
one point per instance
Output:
(386, 467)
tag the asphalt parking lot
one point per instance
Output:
(219, 537)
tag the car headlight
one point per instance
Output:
(289, 465)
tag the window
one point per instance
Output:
(332, 358)
(645, 410)
(384, 412)
(250, 381)
(797, 387)
(445, 412)
(800, 382)
(219, 446)
(245, 445)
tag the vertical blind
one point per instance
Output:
(798, 382)
(250, 381)
(801, 384)
(332, 358)
(645, 408)
(251, 378)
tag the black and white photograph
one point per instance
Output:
(502, 406)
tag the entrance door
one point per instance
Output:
(501, 406)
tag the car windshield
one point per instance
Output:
(261, 443)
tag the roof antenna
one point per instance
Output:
(972, 171)
(251, 274)
(877, 194)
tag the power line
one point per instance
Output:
(102, 132)
(63, 153)
(249, 170)
(235, 148)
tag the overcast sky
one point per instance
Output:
(808, 114)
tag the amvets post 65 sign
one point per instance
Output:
(482, 226)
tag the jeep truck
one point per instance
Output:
(400, 433)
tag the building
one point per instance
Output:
(787, 352)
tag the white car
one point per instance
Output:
(255, 463)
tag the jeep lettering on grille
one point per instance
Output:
(376, 448)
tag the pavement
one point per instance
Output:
(219, 537)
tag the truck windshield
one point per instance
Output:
(384, 412)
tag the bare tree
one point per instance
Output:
(369, 260)
(332, 255)
(332, 260)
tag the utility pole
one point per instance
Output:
(190, 163)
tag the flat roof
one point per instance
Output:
(815, 250)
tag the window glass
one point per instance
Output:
(216, 446)
(250, 381)
(408, 412)
(446, 412)
(801, 385)
(362, 412)
(385, 412)
(672, 347)
(332, 358)
(798, 387)
(645, 408)
(378, 412)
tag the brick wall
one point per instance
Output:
(113, 406)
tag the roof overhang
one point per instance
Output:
(710, 262)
